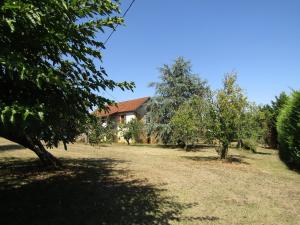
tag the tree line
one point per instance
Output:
(185, 111)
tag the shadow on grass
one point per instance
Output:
(262, 153)
(191, 148)
(231, 159)
(104, 145)
(10, 147)
(88, 192)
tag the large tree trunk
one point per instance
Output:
(47, 159)
(224, 151)
(239, 143)
(185, 147)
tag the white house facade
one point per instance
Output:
(124, 112)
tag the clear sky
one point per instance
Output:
(260, 39)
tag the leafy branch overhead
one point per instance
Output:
(49, 73)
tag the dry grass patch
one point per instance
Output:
(147, 185)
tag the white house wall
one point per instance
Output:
(129, 117)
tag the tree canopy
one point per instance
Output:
(99, 130)
(288, 128)
(177, 85)
(227, 113)
(272, 112)
(189, 124)
(49, 78)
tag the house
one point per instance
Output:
(123, 112)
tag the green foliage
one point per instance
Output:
(261, 120)
(137, 128)
(127, 135)
(253, 124)
(272, 112)
(184, 125)
(288, 128)
(133, 130)
(100, 131)
(189, 122)
(249, 144)
(177, 85)
(48, 75)
(226, 112)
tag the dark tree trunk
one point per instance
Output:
(181, 144)
(239, 143)
(224, 151)
(47, 159)
(185, 147)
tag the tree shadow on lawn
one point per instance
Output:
(231, 159)
(85, 192)
(191, 148)
(10, 147)
(262, 153)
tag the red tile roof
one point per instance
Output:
(121, 107)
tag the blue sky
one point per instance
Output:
(260, 39)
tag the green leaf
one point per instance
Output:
(10, 24)
(22, 72)
(64, 4)
(26, 114)
(2, 118)
(4, 113)
(12, 117)
(41, 115)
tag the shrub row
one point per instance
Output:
(288, 128)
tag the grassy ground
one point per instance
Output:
(147, 185)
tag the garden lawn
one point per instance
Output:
(119, 184)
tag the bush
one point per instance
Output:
(189, 122)
(249, 144)
(133, 130)
(184, 126)
(127, 135)
(101, 132)
(288, 128)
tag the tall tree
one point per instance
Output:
(48, 75)
(177, 84)
(288, 128)
(227, 111)
(251, 123)
(272, 111)
(189, 124)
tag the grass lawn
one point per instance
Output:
(147, 185)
